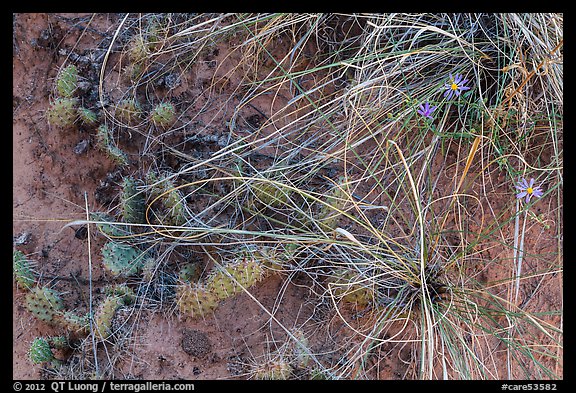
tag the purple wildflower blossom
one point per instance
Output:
(426, 110)
(456, 86)
(528, 190)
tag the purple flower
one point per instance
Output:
(455, 86)
(528, 190)
(426, 110)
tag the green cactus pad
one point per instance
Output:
(133, 203)
(40, 351)
(121, 259)
(87, 116)
(329, 215)
(188, 272)
(195, 300)
(128, 111)
(75, 323)
(67, 81)
(224, 282)
(22, 270)
(104, 315)
(163, 114)
(269, 194)
(44, 303)
(102, 137)
(123, 291)
(62, 112)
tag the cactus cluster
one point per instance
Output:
(120, 259)
(22, 270)
(197, 299)
(64, 110)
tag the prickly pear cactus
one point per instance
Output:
(170, 197)
(272, 369)
(121, 259)
(188, 273)
(116, 297)
(22, 270)
(346, 285)
(123, 291)
(128, 111)
(67, 81)
(62, 112)
(40, 351)
(102, 137)
(195, 300)
(106, 144)
(268, 194)
(44, 303)
(79, 324)
(163, 114)
(133, 203)
(329, 214)
(58, 342)
(228, 280)
(104, 315)
(87, 116)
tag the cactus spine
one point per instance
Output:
(272, 369)
(163, 114)
(104, 315)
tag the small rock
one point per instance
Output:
(82, 146)
(22, 238)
